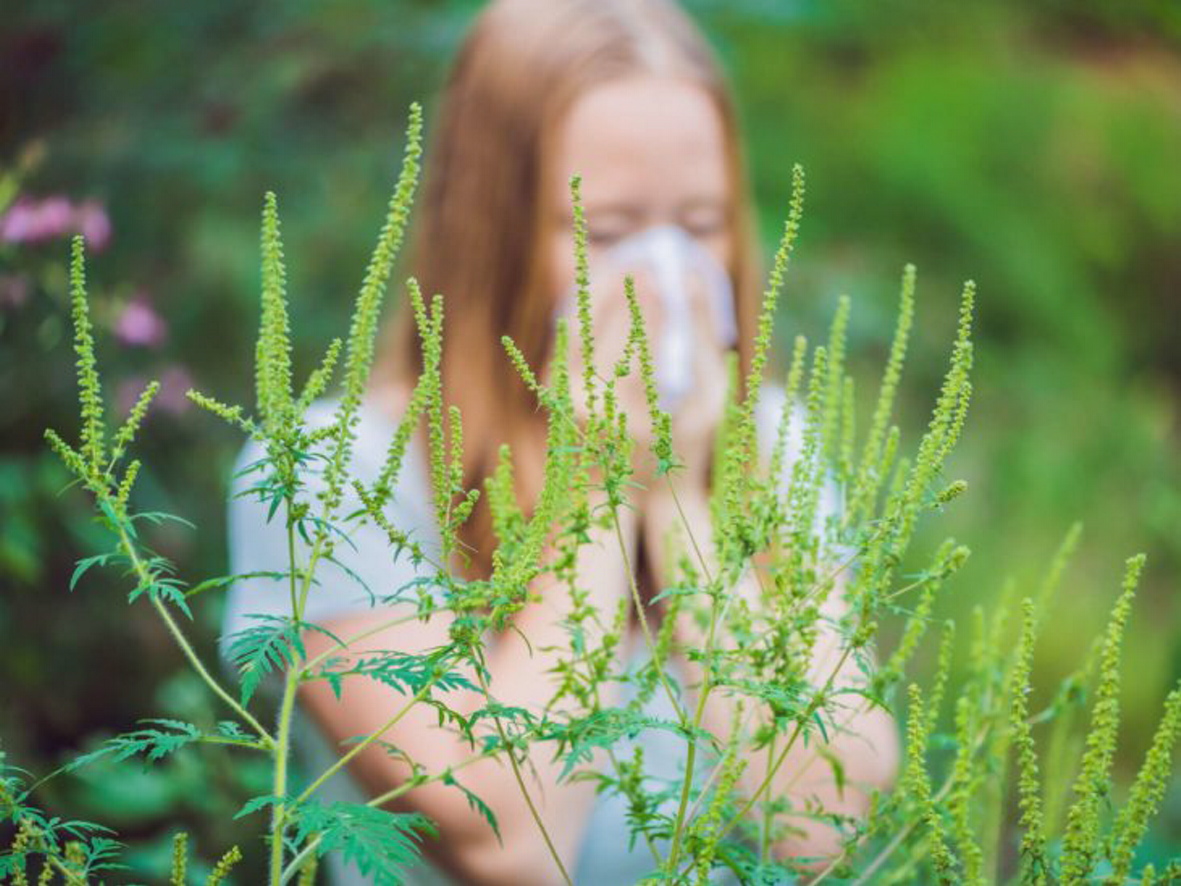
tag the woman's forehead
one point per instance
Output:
(643, 139)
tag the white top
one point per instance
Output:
(256, 545)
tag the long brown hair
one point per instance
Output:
(484, 213)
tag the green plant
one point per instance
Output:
(769, 593)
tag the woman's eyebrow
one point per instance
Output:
(704, 201)
(613, 208)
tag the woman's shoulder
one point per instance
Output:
(408, 506)
(376, 422)
(364, 569)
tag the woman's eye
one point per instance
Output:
(604, 237)
(706, 230)
(705, 223)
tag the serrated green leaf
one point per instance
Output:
(155, 744)
(158, 517)
(258, 651)
(85, 564)
(255, 804)
(477, 805)
(221, 581)
(379, 843)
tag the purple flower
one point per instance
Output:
(92, 222)
(139, 324)
(174, 381)
(127, 391)
(33, 221)
(29, 220)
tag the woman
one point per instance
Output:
(626, 94)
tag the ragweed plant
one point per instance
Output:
(786, 599)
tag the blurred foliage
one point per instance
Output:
(1032, 146)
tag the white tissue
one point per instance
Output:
(674, 261)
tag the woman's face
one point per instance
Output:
(651, 151)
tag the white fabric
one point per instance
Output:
(255, 545)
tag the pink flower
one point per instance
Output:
(139, 324)
(174, 381)
(29, 221)
(127, 391)
(92, 222)
(33, 221)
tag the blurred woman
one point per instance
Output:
(627, 94)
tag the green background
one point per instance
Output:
(1032, 147)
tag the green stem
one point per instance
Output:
(706, 687)
(204, 674)
(145, 578)
(286, 708)
(512, 758)
(713, 775)
(813, 705)
(639, 604)
(765, 835)
(686, 786)
(370, 739)
(293, 867)
(364, 635)
(295, 609)
(279, 784)
(698, 716)
(689, 529)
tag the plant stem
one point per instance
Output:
(686, 786)
(815, 703)
(279, 783)
(688, 529)
(370, 738)
(365, 635)
(691, 754)
(293, 867)
(523, 789)
(173, 628)
(643, 617)
(714, 773)
(765, 834)
(295, 610)
(286, 709)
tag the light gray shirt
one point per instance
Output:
(255, 545)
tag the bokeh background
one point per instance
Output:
(1034, 147)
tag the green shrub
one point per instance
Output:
(945, 821)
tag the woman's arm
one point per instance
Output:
(868, 746)
(520, 677)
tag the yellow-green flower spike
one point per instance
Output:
(89, 386)
(1147, 791)
(1080, 844)
(273, 351)
(586, 336)
(223, 867)
(126, 434)
(1034, 862)
(180, 860)
(360, 343)
(318, 381)
(865, 489)
(661, 422)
